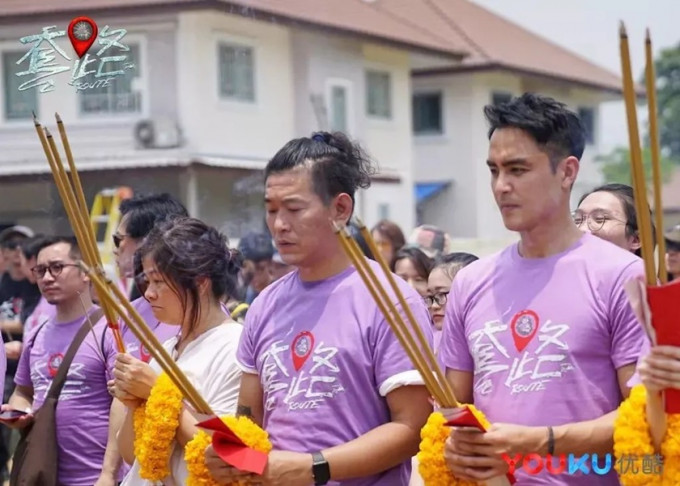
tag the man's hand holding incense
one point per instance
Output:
(478, 456)
(133, 376)
(660, 369)
(223, 473)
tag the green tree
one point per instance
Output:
(667, 67)
(616, 166)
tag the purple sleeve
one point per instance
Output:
(644, 351)
(389, 357)
(627, 334)
(110, 352)
(3, 367)
(245, 354)
(454, 351)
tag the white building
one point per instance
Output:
(450, 143)
(225, 84)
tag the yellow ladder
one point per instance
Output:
(105, 212)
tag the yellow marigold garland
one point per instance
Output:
(155, 425)
(194, 453)
(432, 466)
(632, 439)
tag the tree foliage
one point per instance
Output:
(616, 166)
(667, 67)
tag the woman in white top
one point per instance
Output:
(186, 269)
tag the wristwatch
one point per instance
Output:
(320, 469)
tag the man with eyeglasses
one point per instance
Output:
(86, 456)
(18, 298)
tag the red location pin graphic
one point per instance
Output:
(303, 344)
(83, 32)
(524, 326)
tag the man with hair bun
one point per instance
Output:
(323, 372)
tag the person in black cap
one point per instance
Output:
(673, 252)
(257, 250)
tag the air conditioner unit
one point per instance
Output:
(157, 133)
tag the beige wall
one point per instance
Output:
(214, 125)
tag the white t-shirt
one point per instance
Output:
(209, 363)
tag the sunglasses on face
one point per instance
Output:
(12, 244)
(118, 239)
(55, 269)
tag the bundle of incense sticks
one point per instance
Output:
(410, 336)
(73, 199)
(413, 339)
(119, 304)
(662, 298)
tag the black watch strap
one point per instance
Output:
(320, 469)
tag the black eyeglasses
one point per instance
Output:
(55, 269)
(118, 239)
(595, 220)
(439, 298)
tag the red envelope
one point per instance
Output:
(463, 417)
(664, 302)
(232, 450)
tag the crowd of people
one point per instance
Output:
(540, 336)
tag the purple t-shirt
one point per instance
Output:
(84, 404)
(544, 337)
(161, 330)
(326, 359)
(40, 315)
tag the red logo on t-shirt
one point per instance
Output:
(144, 354)
(524, 326)
(303, 344)
(53, 363)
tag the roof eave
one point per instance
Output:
(234, 9)
(496, 66)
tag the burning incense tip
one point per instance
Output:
(359, 222)
(336, 226)
(648, 37)
(56, 115)
(35, 119)
(47, 132)
(622, 29)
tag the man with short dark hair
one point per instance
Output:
(82, 414)
(541, 334)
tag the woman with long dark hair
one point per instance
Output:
(186, 270)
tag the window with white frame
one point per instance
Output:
(378, 94)
(120, 95)
(587, 116)
(19, 105)
(427, 114)
(338, 103)
(236, 72)
(383, 211)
